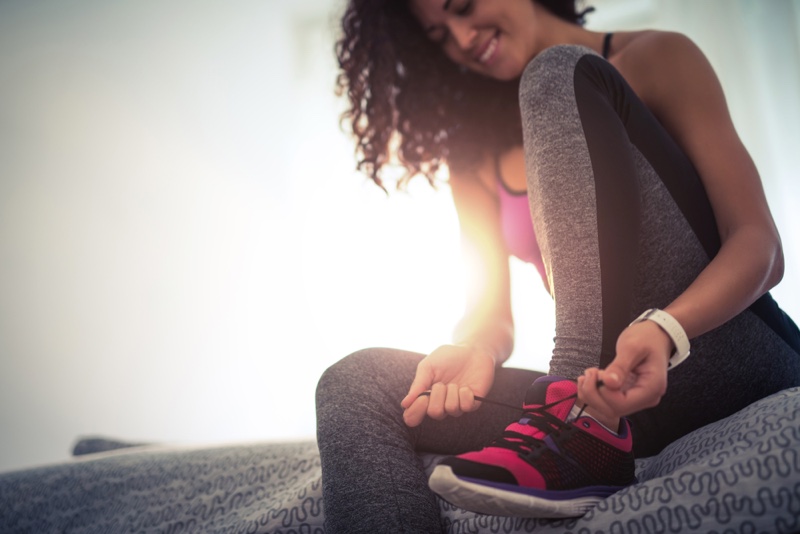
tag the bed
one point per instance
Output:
(741, 474)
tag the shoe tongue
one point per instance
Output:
(550, 389)
(546, 390)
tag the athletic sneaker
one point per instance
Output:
(542, 466)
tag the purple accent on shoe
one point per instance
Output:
(624, 428)
(550, 495)
(550, 378)
(548, 440)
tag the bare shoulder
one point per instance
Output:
(640, 48)
(474, 191)
(653, 62)
(478, 176)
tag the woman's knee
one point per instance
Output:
(351, 368)
(375, 369)
(549, 70)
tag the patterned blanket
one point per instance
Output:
(741, 474)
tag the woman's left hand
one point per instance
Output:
(637, 377)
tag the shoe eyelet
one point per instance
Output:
(586, 424)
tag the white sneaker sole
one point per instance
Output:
(495, 501)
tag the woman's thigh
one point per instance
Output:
(367, 386)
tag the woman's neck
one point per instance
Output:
(557, 31)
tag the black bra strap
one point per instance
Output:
(607, 45)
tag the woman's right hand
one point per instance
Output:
(453, 374)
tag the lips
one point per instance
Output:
(486, 52)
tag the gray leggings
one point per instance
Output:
(624, 225)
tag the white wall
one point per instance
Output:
(184, 246)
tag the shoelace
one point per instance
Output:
(517, 408)
(509, 406)
(539, 418)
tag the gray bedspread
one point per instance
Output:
(741, 474)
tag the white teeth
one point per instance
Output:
(489, 52)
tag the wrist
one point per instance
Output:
(480, 349)
(657, 334)
(673, 329)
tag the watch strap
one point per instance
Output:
(673, 329)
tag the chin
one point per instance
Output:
(503, 74)
(507, 77)
(509, 68)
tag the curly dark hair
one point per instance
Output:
(408, 100)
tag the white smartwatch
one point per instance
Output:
(673, 329)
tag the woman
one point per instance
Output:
(610, 162)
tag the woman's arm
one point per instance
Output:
(679, 85)
(690, 103)
(487, 321)
(454, 374)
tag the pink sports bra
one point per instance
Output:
(516, 225)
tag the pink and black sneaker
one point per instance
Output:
(542, 466)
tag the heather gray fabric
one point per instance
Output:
(373, 479)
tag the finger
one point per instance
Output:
(452, 403)
(587, 388)
(415, 413)
(467, 400)
(612, 377)
(596, 395)
(422, 382)
(619, 373)
(436, 408)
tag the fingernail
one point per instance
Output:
(613, 376)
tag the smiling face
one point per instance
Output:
(495, 38)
